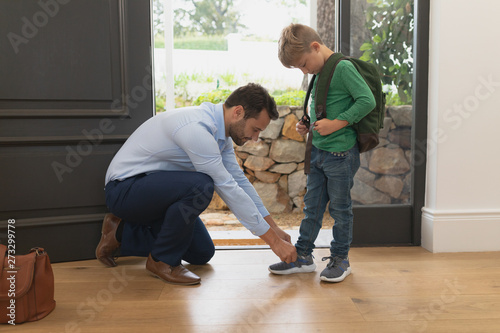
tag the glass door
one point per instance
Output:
(389, 186)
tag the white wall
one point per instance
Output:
(462, 209)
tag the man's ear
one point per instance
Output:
(238, 112)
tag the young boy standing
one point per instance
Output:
(334, 155)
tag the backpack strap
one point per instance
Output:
(324, 80)
(320, 96)
(306, 120)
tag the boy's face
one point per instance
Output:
(311, 62)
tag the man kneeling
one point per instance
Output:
(164, 177)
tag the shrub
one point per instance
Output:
(292, 98)
(215, 96)
(218, 43)
(160, 103)
(391, 24)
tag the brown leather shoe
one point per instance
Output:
(108, 243)
(171, 274)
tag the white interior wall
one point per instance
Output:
(462, 209)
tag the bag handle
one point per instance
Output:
(39, 250)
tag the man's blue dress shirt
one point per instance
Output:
(192, 139)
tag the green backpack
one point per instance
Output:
(367, 129)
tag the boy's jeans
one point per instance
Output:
(331, 179)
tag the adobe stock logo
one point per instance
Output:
(30, 28)
(470, 103)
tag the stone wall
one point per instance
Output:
(274, 164)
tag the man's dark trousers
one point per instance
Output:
(161, 214)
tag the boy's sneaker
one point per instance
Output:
(304, 264)
(337, 269)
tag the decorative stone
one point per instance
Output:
(404, 198)
(250, 178)
(402, 115)
(390, 185)
(273, 130)
(257, 148)
(299, 202)
(299, 113)
(297, 182)
(284, 168)
(364, 158)
(285, 151)
(383, 142)
(283, 182)
(241, 155)
(283, 110)
(387, 126)
(388, 161)
(367, 195)
(365, 176)
(289, 128)
(408, 156)
(258, 163)
(267, 177)
(401, 137)
(275, 199)
(407, 182)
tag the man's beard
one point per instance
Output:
(237, 132)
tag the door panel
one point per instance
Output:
(75, 82)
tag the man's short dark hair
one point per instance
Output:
(253, 98)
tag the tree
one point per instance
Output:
(157, 17)
(207, 17)
(326, 28)
(326, 22)
(390, 48)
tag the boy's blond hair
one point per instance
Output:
(295, 40)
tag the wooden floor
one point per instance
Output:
(403, 289)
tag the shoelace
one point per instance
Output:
(334, 261)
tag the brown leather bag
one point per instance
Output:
(26, 286)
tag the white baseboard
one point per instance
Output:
(460, 230)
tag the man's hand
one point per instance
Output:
(283, 249)
(281, 234)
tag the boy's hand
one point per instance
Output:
(327, 126)
(301, 128)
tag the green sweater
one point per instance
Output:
(349, 98)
